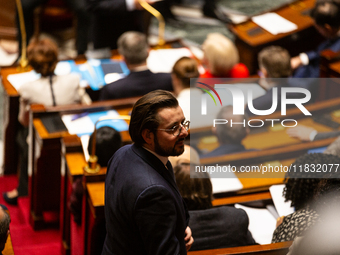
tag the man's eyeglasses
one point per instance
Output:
(176, 130)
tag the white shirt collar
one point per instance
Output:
(161, 158)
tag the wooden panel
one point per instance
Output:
(292, 12)
(251, 39)
(267, 249)
(8, 28)
(96, 191)
(270, 138)
(10, 115)
(8, 247)
(46, 154)
(242, 199)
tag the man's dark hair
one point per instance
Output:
(301, 186)
(195, 187)
(327, 12)
(4, 227)
(276, 61)
(145, 110)
(227, 134)
(108, 141)
(134, 47)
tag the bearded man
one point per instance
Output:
(144, 211)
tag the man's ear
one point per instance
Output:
(148, 136)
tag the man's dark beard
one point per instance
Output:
(174, 151)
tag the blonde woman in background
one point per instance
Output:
(221, 58)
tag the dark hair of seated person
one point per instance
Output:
(301, 186)
(185, 69)
(108, 141)
(328, 191)
(326, 12)
(195, 187)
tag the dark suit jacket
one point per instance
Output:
(111, 19)
(219, 227)
(136, 84)
(225, 149)
(144, 211)
(312, 70)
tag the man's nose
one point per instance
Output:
(183, 132)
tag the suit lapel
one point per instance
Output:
(167, 174)
(155, 163)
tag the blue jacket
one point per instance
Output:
(312, 70)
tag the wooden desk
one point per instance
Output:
(48, 147)
(8, 27)
(8, 247)
(94, 220)
(266, 249)
(270, 138)
(10, 122)
(93, 207)
(329, 72)
(251, 39)
(93, 203)
(329, 64)
(11, 110)
(255, 189)
(74, 166)
(334, 69)
(256, 181)
(45, 154)
(287, 151)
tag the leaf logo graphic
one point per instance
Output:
(202, 87)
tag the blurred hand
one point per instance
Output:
(189, 240)
(295, 62)
(300, 132)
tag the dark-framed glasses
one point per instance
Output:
(176, 130)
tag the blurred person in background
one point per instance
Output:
(221, 58)
(212, 227)
(301, 188)
(49, 90)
